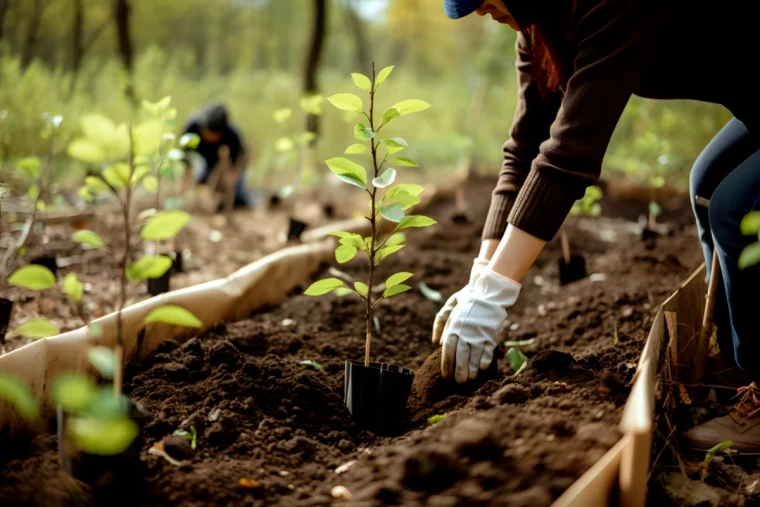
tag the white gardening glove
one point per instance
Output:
(443, 314)
(469, 337)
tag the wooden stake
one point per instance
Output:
(565, 246)
(708, 319)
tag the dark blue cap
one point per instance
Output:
(456, 9)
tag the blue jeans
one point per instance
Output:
(727, 172)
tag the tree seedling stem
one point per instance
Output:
(565, 246)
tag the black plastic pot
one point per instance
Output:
(6, 308)
(161, 284)
(647, 234)
(274, 201)
(295, 229)
(376, 395)
(49, 261)
(329, 210)
(573, 271)
(99, 469)
(177, 261)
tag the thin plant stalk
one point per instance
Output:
(373, 222)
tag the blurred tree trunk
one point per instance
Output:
(31, 33)
(363, 59)
(121, 19)
(310, 86)
(4, 4)
(77, 45)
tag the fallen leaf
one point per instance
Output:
(249, 483)
(684, 395)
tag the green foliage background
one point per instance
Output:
(250, 54)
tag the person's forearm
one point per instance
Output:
(515, 254)
(487, 248)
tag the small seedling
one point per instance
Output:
(191, 436)
(36, 278)
(710, 455)
(437, 418)
(517, 360)
(313, 364)
(750, 226)
(18, 394)
(393, 204)
(573, 267)
(291, 147)
(615, 334)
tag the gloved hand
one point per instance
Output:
(442, 317)
(469, 337)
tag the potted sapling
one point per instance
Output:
(375, 393)
(573, 267)
(650, 229)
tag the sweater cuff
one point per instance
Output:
(496, 221)
(541, 206)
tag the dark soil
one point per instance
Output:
(273, 432)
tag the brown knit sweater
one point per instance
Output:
(667, 49)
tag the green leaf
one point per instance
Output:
(362, 132)
(386, 251)
(750, 255)
(654, 209)
(94, 330)
(18, 393)
(398, 278)
(436, 418)
(191, 436)
(117, 175)
(323, 286)
(406, 200)
(345, 253)
(404, 188)
(361, 288)
(519, 343)
(346, 102)
(361, 81)
(173, 314)
(347, 238)
(85, 194)
(30, 166)
(140, 172)
(41, 206)
(104, 360)
(313, 364)
(282, 115)
(88, 238)
(147, 137)
(348, 171)
(395, 290)
(343, 291)
(393, 212)
(189, 141)
(73, 391)
(750, 224)
(516, 359)
(36, 329)
(95, 184)
(72, 287)
(86, 151)
(356, 149)
(403, 161)
(284, 144)
(383, 75)
(165, 225)
(32, 277)
(101, 436)
(415, 221)
(410, 106)
(105, 405)
(390, 114)
(149, 266)
(33, 192)
(430, 294)
(385, 179)
(150, 183)
(396, 239)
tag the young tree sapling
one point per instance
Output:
(573, 267)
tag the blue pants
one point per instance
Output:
(727, 172)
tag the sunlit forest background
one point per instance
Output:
(72, 57)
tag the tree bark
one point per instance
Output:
(4, 4)
(31, 33)
(77, 45)
(310, 86)
(362, 54)
(121, 13)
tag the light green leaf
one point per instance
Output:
(313, 364)
(30, 166)
(189, 141)
(95, 184)
(345, 253)
(36, 329)
(410, 106)
(516, 359)
(406, 200)
(750, 223)
(140, 172)
(356, 149)
(175, 315)
(18, 393)
(393, 212)
(361, 288)
(104, 360)
(347, 238)
(403, 161)
(361, 81)
(88, 238)
(117, 175)
(312, 104)
(346, 102)
(165, 225)
(94, 330)
(383, 75)
(284, 144)
(150, 266)
(654, 209)
(107, 406)
(41, 206)
(385, 179)
(396, 239)
(323, 286)
(398, 278)
(147, 213)
(415, 221)
(348, 171)
(150, 183)
(519, 343)
(86, 151)
(73, 391)
(404, 188)
(386, 251)
(436, 418)
(595, 210)
(33, 192)
(102, 436)
(306, 137)
(396, 290)
(282, 115)
(750, 255)
(390, 114)
(343, 291)
(72, 287)
(362, 132)
(33, 277)
(147, 137)
(395, 142)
